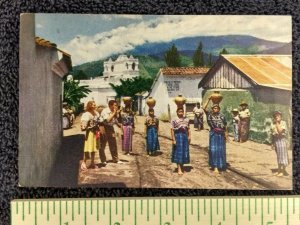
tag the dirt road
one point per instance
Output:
(250, 165)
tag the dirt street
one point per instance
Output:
(251, 165)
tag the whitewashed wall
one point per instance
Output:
(40, 108)
(166, 88)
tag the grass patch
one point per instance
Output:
(261, 114)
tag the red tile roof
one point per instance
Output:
(184, 71)
(42, 42)
(45, 43)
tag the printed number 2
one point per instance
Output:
(66, 223)
(269, 222)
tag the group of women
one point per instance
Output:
(181, 135)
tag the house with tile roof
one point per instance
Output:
(173, 81)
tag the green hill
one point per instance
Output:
(91, 69)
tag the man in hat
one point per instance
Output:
(279, 132)
(235, 122)
(244, 127)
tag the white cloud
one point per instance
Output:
(39, 26)
(167, 28)
(110, 17)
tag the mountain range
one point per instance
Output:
(151, 55)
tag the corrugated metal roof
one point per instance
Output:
(184, 71)
(266, 70)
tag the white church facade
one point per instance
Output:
(123, 67)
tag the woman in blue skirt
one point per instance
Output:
(279, 136)
(181, 138)
(151, 130)
(217, 140)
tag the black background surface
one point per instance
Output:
(9, 37)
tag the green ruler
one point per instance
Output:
(267, 210)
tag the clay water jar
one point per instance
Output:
(151, 102)
(179, 101)
(216, 97)
(127, 100)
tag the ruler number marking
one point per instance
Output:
(263, 209)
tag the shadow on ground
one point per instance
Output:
(66, 165)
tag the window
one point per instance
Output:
(173, 85)
(112, 68)
(133, 66)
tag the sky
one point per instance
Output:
(90, 37)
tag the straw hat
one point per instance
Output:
(235, 110)
(276, 112)
(244, 103)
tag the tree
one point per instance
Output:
(130, 87)
(172, 57)
(224, 51)
(198, 58)
(210, 62)
(81, 75)
(73, 93)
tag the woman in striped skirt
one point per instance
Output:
(181, 138)
(217, 140)
(279, 129)
(127, 117)
(151, 130)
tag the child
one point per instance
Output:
(198, 117)
(181, 138)
(151, 130)
(235, 122)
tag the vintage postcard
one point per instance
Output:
(152, 101)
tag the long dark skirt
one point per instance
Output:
(181, 151)
(198, 122)
(244, 129)
(217, 150)
(152, 139)
(127, 139)
(281, 150)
